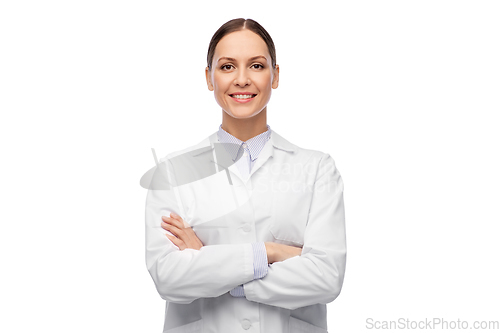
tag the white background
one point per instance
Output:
(403, 94)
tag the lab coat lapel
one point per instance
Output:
(212, 151)
(266, 153)
(276, 141)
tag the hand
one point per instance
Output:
(280, 252)
(185, 237)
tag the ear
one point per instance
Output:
(276, 78)
(209, 80)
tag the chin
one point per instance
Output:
(241, 115)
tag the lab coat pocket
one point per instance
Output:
(286, 237)
(194, 327)
(300, 326)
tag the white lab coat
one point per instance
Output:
(293, 196)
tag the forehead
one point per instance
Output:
(241, 45)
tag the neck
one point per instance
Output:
(245, 128)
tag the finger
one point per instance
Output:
(179, 243)
(166, 226)
(177, 217)
(199, 242)
(173, 221)
(192, 235)
(173, 229)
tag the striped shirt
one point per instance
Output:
(245, 154)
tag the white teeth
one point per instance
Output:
(242, 96)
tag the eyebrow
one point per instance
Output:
(232, 59)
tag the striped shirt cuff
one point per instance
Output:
(260, 267)
(237, 291)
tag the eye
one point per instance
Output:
(224, 67)
(258, 65)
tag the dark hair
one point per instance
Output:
(237, 25)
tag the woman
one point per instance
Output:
(250, 232)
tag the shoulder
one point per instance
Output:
(302, 154)
(320, 161)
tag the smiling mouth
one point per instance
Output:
(238, 96)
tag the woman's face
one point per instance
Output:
(242, 66)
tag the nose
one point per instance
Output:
(242, 79)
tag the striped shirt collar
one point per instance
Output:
(254, 144)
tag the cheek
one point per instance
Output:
(221, 83)
(264, 83)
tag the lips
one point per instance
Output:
(253, 95)
(242, 100)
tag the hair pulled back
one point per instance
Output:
(238, 25)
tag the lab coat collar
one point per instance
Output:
(234, 145)
(275, 142)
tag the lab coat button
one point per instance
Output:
(247, 228)
(245, 323)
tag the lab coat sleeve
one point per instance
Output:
(260, 267)
(184, 276)
(316, 276)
